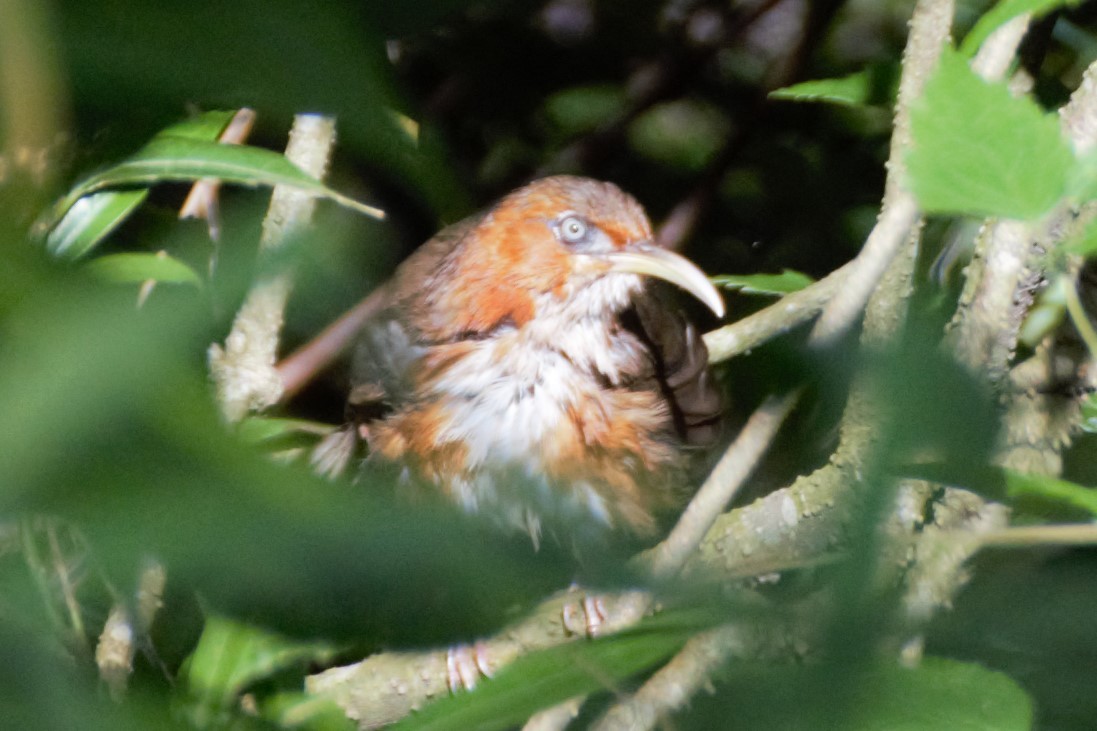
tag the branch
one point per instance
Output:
(781, 317)
(929, 32)
(1084, 534)
(126, 627)
(717, 492)
(1079, 116)
(244, 368)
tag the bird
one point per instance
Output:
(526, 365)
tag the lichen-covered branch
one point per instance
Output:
(243, 369)
(717, 492)
(929, 32)
(690, 671)
(126, 627)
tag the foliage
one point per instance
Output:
(112, 450)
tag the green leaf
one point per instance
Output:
(1089, 414)
(231, 656)
(545, 678)
(582, 109)
(1003, 12)
(140, 267)
(1082, 185)
(937, 694)
(1085, 242)
(770, 284)
(174, 158)
(205, 126)
(301, 710)
(1046, 314)
(940, 694)
(255, 429)
(978, 150)
(91, 219)
(684, 134)
(874, 85)
(1049, 488)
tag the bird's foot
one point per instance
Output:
(466, 665)
(585, 615)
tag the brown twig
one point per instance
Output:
(301, 366)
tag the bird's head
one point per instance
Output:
(561, 241)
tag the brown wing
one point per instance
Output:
(681, 367)
(387, 348)
(384, 354)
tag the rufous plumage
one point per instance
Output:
(526, 366)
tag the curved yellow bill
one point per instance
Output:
(652, 261)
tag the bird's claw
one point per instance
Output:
(585, 616)
(465, 665)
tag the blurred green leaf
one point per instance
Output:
(980, 151)
(940, 694)
(301, 710)
(1004, 11)
(770, 284)
(91, 219)
(1082, 186)
(116, 430)
(542, 679)
(137, 267)
(684, 134)
(174, 158)
(204, 126)
(143, 61)
(1089, 414)
(255, 429)
(582, 109)
(1085, 243)
(937, 694)
(1041, 321)
(230, 657)
(1021, 485)
(874, 85)
(1046, 314)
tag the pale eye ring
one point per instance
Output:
(572, 229)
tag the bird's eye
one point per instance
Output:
(572, 230)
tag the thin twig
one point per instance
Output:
(1079, 318)
(63, 571)
(720, 488)
(891, 231)
(301, 366)
(998, 51)
(899, 215)
(673, 685)
(781, 317)
(201, 202)
(1082, 534)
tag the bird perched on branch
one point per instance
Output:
(524, 364)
